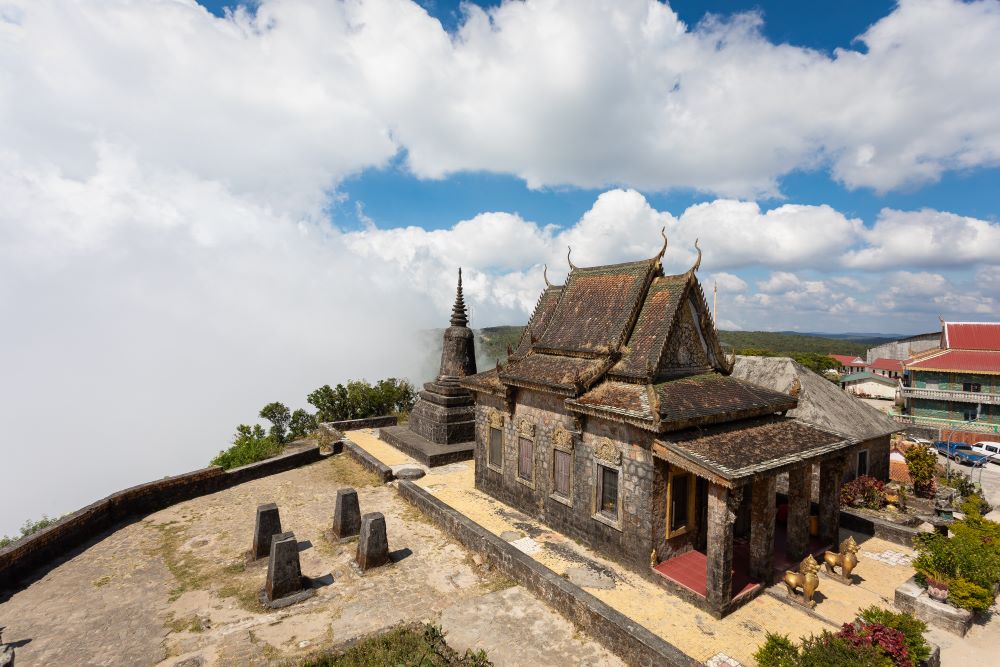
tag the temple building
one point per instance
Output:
(618, 422)
(442, 427)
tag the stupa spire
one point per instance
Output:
(458, 315)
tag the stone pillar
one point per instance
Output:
(762, 529)
(722, 506)
(346, 514)
(268, 525)
(831, 475)
(799, 485)
(284, 575)
(373, 545)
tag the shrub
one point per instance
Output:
(974, 504)
(863, 492)
(921, 463)
(251, 444)
(302, 424)
(29, 528)
(830, 650)
(967, 595)
(912, 628)
(777, 651)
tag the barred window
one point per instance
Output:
(561, 462)
(525, 458)
(496, 447)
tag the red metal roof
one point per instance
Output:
(848, 360)
(972, 335)
(977, 361)
(887, 365)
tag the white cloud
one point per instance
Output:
(727, 282)
(284, 102)
(926, 238)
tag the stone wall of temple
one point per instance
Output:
(628, 538)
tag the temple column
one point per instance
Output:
(799, 486)
(722, 506)
(762, 529)
(831, 475)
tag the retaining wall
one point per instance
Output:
(34, 551)
(369, 422)
(619, 634)
(886, 530)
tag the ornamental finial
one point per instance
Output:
(458, 316)
(545, 275)
(663, 233)
(569, 251)
(697, 262)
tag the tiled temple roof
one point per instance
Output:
(597, 307)
(627, 343)
(738, 450)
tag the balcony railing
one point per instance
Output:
(946, 424)
(950, 395)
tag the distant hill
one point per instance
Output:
(492, 342)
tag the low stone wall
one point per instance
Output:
(912, 598)
(619, 634)
(368, 461)
(39, 549)
(369, 422)
(880, 528)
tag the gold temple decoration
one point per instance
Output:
(495, 419)
(607, 451)
(807, 579)
(562, 439)
(525, 428)
(846, 560)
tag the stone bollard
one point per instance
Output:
(268, 525)
(373, 546)
(284, 575)
(346, 514)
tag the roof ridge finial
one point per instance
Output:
(458, 315)
(545, 275)
(697, 262)
(569, 251)
(663, 231)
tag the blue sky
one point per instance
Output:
(208, 211)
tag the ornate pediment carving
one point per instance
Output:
(562, 439)
(525, 428)
(608, 451)
(495, 419)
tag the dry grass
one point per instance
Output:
(345, 471)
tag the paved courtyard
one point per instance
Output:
(173, 589)
(883, 567)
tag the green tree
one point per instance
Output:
(921, 462)
(250, 444)
(301, 425)
(359, 399)
(279, 416)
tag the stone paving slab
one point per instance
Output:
(174, 589)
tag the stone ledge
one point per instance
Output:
(430, 454)
(880, 528)
(619, 634)
(38, 551)
(381, 470)
(368, 422)
(912, 598)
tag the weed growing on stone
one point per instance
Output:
(413, 644)
(347, 472)
(103, 581)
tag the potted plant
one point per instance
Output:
(937, 587)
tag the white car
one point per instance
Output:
(923, 442)
(990, 449)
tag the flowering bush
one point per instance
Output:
(890, 641)
(864, 491)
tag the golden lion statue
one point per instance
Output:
(806, 578)
(846, 560)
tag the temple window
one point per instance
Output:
(496, 447)
(680, 502)
(562, 463)
(525, 458)
(607, 492)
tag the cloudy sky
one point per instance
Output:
(206, 207)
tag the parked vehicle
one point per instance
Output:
(990, 449)
(922, 441)
(960, 452)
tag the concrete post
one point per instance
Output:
(284, 575)
(831, 475)
(373, 545)
(762, 529)
(799, 485)
(268, 525)
(346, 514)
(722, 506)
